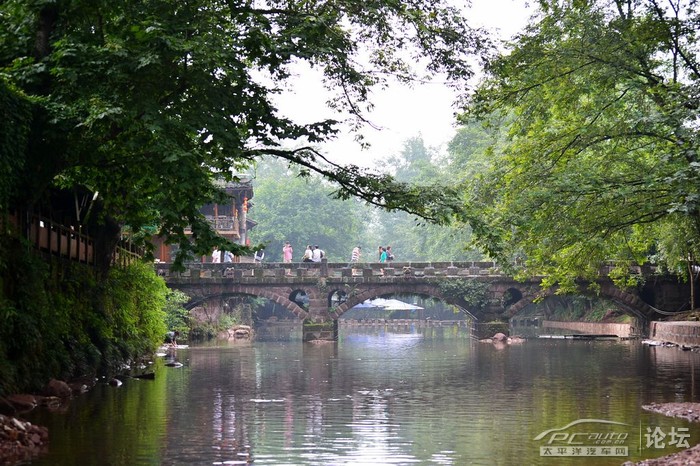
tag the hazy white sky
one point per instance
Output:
(402, 112)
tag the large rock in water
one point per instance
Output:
(240, 331)
(58, 388)
(499, 337)
(23, 402)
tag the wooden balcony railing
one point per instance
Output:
(59, 240)
(66, 242)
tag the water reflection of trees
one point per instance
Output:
(364, 396)
(216, 415)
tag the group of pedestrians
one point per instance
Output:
(385, 254)
(313, 254)
(216, 256)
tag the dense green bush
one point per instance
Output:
(57, 321)
(16, 110)
(176, 316)
(206, 330)
(135, 300)
(471, 293)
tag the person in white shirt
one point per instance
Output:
(317, 254)
(308, 255)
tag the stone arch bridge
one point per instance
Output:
(319, 293)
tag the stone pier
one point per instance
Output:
(319, 331)
(681, 332)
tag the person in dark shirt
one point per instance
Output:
(171, 337)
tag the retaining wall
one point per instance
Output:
(681, 332)
(592, 328)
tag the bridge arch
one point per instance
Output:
(629, 303)
(337, 296)
(512, 296)
(356, 297)
(282, 297)
(300, 298)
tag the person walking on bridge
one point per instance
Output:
(389, 254)
(356, 253)
(287, 252)
(355, 258)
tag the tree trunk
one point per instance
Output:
(691, 274)
(106, 241)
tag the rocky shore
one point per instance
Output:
(689, 456)
(20, 440)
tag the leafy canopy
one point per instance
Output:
(303, 212)
(600, 160)
(146, 102)
(411, 238)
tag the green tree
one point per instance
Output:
(145, 103)
(303, 211)
(599, 104)
(412, 238)
(176, 316)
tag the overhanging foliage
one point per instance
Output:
(600, 100)
(146, 103)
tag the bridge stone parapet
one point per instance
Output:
(300, 270)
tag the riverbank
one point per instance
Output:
(682, 333)
(689, 456)
(20, 440)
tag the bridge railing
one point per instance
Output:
(644, 269)
(300, 270)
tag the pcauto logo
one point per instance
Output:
(586, 437)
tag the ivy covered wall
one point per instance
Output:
(16, 111)
(58, 321)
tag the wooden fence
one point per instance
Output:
(66, 242)
(59, 240)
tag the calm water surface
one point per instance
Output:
(381, 397)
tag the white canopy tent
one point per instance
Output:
(387, 304)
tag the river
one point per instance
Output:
(414, 396)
